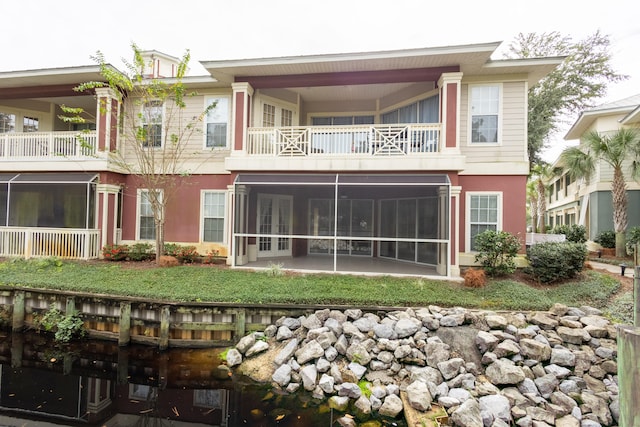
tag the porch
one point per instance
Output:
(345, 264)
(35, 242)
(355, 140)
(380, 224)
(50, 146)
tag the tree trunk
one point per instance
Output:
(619, 202)
(159, 241)
(542, 206)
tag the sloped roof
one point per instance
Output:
(473, 59)
(629, 106)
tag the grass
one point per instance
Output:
(200, 283)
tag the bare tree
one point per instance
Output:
(154, 128)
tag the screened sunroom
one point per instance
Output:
(48, 214)
(357, 223)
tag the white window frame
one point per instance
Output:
(279, 106)
(225, 195)
(499, 219)
(143, 121)
(139, 193)
(208, 100)
(33, 119)
(499, 113)
(12, 121)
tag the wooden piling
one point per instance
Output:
(124, 335)
(629, 374)
(18, 311)
(165, 322)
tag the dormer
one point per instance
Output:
(159, 65)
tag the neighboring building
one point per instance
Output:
(387, 162)
(588, 201)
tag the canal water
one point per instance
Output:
(98, 383)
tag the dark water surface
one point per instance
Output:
(97, 383)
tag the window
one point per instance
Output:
(152, 124)
(286, 119)
(268, 116)
(342, 120)
(484, 210)
(30, 124)
(7, 122)
(213, 210)
(275, 115)
(147, 226)
(424, 111)
(217, 123)
(484, 107)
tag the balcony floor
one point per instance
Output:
(347, 265)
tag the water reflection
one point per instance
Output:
(96, 383)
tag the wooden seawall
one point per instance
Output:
(131, 320)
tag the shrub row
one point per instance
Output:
(144, 251)
(553, 261)
(548, 262)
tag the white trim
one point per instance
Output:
(139, 192)
(225, 218)
(279, 104)
(163, 123)
(467, 216)
(274, 252)
(207, 100)
(500, 87)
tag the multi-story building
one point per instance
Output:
(379, 162)
(588, 202)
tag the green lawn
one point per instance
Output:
(207, 283)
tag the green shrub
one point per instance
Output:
(575, 233)
(553, 261)
(66, 326)
(185, 254)
(606, 239)
(497, 251)
(140, 252)
(633, 239)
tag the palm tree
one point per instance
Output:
(616, 149)
(532, 196)
(541, 172)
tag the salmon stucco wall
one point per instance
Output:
(183, 211)
(514, 212)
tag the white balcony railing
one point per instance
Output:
(370, 140)
(29, 242)
(48, 145)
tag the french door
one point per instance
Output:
(274, 217)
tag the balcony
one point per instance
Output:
(50, 146)
(357, 140)
(373, 148)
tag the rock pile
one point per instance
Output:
(485, 368)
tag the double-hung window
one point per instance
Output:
(146, 222)
(485, 113)
(217, 122)
(30, 124)
(213, 210)
(484, 213)
(7, 122)
(152, 112)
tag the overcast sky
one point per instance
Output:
(62, 33)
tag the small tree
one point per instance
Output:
(497, 251)
(540, 173)
(155, 129)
